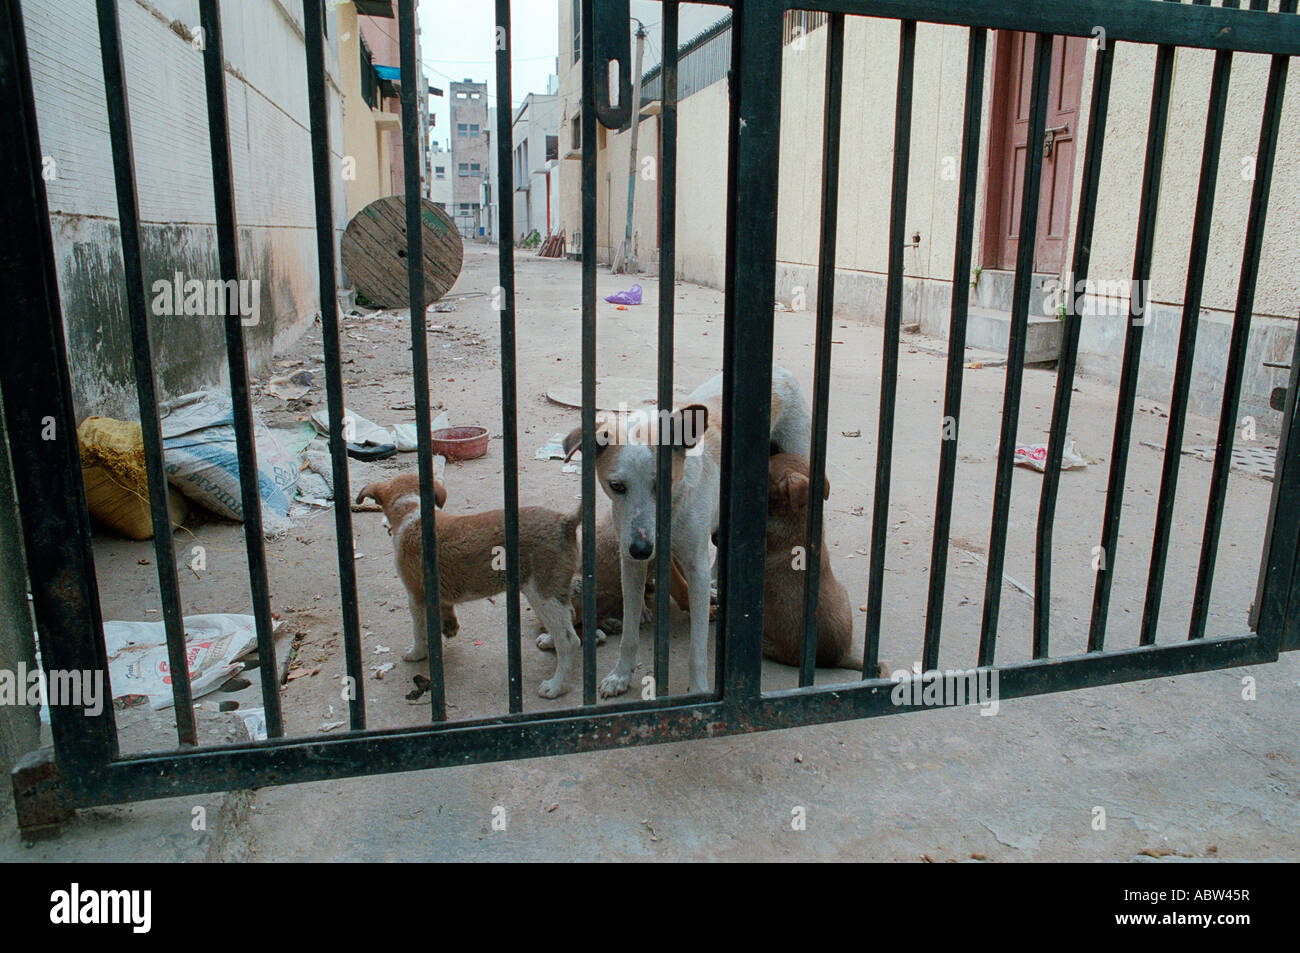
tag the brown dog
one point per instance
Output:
(783, 589)
(471, 565)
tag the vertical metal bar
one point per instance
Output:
(748, 423)
(1277, 621)
(1142, 253)
(1068, 359)
(241, 408)
(412, 160)
(509, 412)
(1265, 154)
(729, 329)
(1193, 287)
(589, 352)
(323, 179)
(1025, 245)
(889, 360)
(832, 102)
(1274, 614)
(42, 426)
(667, 304)
(949, 426)
(146, 385)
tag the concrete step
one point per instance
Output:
(990, 328)
(994, 290)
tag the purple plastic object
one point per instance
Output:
(631, 296)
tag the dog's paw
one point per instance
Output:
(647, 612)
(552, 688)
(416, 653)
(600, 637)
(613, 684)
(546, 642)
(611, 626)
(713, 612)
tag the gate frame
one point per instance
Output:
(56, 530)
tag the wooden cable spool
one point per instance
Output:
(374, 254)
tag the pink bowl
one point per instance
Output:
(460, 443)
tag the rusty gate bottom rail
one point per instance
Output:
(513, 737)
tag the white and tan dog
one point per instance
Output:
(625, 466)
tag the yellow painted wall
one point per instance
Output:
(362, 136)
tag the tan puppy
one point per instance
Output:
(783, 587)
(469, 549)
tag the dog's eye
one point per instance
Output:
(617, 486)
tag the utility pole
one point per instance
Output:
(625, 261)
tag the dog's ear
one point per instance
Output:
(439, 494)
(371, 491)
(573, 442)
(827, 494)
(687, 425)
(789, 492)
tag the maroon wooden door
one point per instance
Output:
(1008, 131)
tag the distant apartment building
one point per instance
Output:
(535, 165)
(438, 176)
(469, 155)
(491, 210)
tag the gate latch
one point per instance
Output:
(612, 42)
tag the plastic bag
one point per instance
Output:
(631, 296)
(1035, 456)
(138, 663)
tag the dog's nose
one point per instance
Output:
(641, 549)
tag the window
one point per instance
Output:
(464, 206)
(552, 148)
(462, 95)
(440, 172)
(576, 130)
(369, 78)
(475, 169)
(475, 95)
(577, 30)
(473, 129)
(463, 169)
(462, 129)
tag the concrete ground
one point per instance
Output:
(1182, 767)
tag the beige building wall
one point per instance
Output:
(569, 174)
(871, 58)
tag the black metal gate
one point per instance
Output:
(86, 767)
